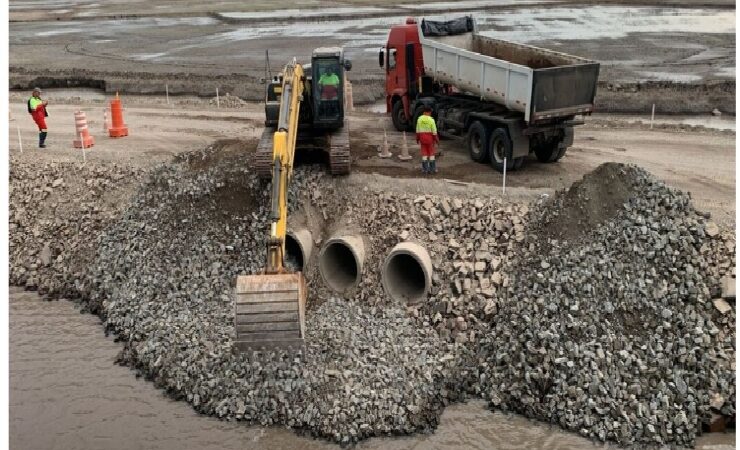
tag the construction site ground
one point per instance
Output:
(172, 202)
(695, 158)
(685, 63)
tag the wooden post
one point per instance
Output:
(167, 92)
(218, 101)
(652, 117)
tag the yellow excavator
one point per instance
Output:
(270, 306)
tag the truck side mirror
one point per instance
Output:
(347, 65)
(381, 58)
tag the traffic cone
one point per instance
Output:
(118, 128)
(384, 152)
(404, 156)
(82, 134)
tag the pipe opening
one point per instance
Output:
(294, 258)
(339, 266)
(405, 278)
(407, 273)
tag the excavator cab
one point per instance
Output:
(327, 72)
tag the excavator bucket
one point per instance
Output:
(270, 311)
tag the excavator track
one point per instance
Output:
(338, 147)
(263, 159)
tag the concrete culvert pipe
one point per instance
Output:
(407, 273)
(298, 247)
(340, 262)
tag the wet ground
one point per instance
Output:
(677, 43)
(66, 392)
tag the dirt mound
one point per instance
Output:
(590, 202)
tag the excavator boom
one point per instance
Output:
(270, 307)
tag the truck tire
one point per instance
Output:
(417, 113)
(477, 141)
(400, 121)
(561, 153)
(500, 147)
(550, 152)
(519, 162)
(547, 153)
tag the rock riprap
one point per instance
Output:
(613, 333)
(596, 317)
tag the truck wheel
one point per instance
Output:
(561, 153)
(550, 152)
(477, 140)
(546, 153)
(500, 147)
(417, 113)
(399, 117)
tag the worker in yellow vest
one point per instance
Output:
(426, 136)
(37, 110)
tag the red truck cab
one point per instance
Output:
(404, 65)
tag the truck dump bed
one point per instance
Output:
(540, 83)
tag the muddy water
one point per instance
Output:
(66, 393)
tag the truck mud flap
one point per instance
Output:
(519, 140)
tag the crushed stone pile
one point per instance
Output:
(228, 101)
(613, 333)
(599, 325)
(57, 209)
(164, 276)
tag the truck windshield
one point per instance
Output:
(328, 89)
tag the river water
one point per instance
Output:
(66, 393)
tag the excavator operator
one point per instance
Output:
(329, 84)
(329, 90)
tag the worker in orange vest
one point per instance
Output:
(37, 109)
(426, 135)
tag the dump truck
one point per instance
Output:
(506, 100)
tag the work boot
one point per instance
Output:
(424, 166)
(433, 166)
(42, 139)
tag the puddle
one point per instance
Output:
(147, 56)
(726, 72)
(524, 25)
(520, 25)
(105, 28)
(712, 122)
(709, 54)
(284, 14)
(378, 108)
(468, 4)
(669, 76)
(601, 22)
(22, 5)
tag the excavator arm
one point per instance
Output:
(283, 154)
(270, 307)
